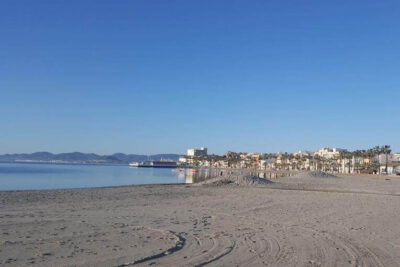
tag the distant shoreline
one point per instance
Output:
(65, 163)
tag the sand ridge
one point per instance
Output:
(236, 180)
(314, 174)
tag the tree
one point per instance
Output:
(358, 154)
(346, 156)
(316, 159)
(386, 150)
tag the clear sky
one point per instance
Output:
(163, 76)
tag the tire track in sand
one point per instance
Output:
(179, 244)
(334, 245)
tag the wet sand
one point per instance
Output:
(303, 221)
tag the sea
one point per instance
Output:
(35, 176)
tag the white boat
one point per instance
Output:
(159, 164)
(155, 164)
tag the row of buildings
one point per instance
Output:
(378, 160)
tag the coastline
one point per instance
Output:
(317, 221)
(64, 163)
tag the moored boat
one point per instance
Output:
(155, 164)
(134, 164)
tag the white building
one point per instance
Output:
(329, 153)
(197, 152)
(182, 159)
(302, 153)
(396, 157)
(390, 168)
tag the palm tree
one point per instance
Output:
(323, 163)
(357, 155)
(316, 159)
(370, 154)
(336, 164)
(386, 150)
(342, 157)
(377, 152)
(347, 155)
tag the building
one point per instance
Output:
(197, 152)
(302, 153)
(256, 159)
(182, 160)
(329, 153)
(390, 168)
(243, 155)
(396, 157)
(267, 163)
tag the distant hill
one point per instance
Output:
(78, 157)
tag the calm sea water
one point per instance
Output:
(21, 176)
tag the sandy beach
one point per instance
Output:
(297, 221)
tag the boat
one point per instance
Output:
(155, 164)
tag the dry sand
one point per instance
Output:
(298, 221)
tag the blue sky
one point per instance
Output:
(162, 76)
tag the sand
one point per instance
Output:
(303, 221)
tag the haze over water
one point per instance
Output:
(24, 176)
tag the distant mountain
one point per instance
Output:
(137, 158)
(78, 157)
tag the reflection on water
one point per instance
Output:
(22, 176)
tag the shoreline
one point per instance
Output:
(94, 187)
(188, 184)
